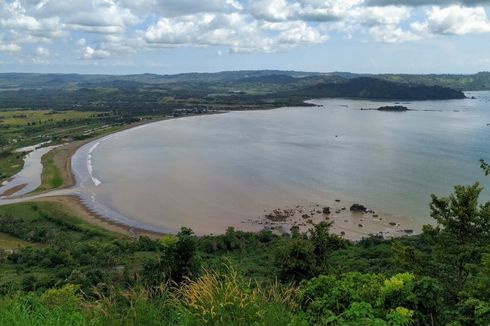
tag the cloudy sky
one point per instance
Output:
(170, 36)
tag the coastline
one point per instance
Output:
(345, 226)
(63, 159)
(75, 205)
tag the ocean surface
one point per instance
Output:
(210, 172)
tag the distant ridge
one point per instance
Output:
(374, 88)
(229, 90)
(462, 82)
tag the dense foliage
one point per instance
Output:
(374, 88)
(76, 274)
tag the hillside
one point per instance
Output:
(373, 88)
(148, 93)
(58, 270)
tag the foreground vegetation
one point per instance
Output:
(67, 272)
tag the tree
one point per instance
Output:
(179, 260)
(462, 231)
(369, 299)
(324, 242)
(296, 259)
(184, 257)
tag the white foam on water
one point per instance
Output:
(90, 167)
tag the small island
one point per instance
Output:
(393, 108)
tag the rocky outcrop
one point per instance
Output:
(358, 208)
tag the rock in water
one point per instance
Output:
(358, 208)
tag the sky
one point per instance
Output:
(174, 36)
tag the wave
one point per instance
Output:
(90, 167)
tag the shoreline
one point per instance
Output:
(70, 179)
(63, 159)
(76, 206)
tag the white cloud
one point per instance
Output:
(90, 53)
(318, 10)
(99, 29)
(372, 16)
(306, 10)
(239, 33)
(271, 10)
(42, 52)
(392, 34)
(455, 20)
(9, 47)
(15, 20)
(173, 8)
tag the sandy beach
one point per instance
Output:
(350, 225)
(76, 207)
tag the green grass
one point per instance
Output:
(51, 176)
(24, 117)
(10, 164)
(54, 217)
(9, 242)
(20, 128)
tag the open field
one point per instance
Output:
(39, 117)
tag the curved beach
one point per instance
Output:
(243, 167)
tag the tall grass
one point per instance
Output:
(28, 310)
(215, 298)
(218, 298)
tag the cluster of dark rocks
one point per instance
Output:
(358, 208)
(280, 215)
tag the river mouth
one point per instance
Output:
(233, 169)
(29, 178)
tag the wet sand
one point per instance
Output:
(76, 207)
(13, 190)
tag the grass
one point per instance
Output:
(9, 242)
(55, 217)
(216, 298)
(19, 128)
(52, 232)
(28, 117)
(10, 164)
(51, 176)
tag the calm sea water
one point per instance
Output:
(209, 172)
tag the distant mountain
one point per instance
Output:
(476, 82)
(374, 88)
(479, 81)
(228, 90)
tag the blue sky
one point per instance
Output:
(172, 36)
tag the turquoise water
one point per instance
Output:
(209, 172)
